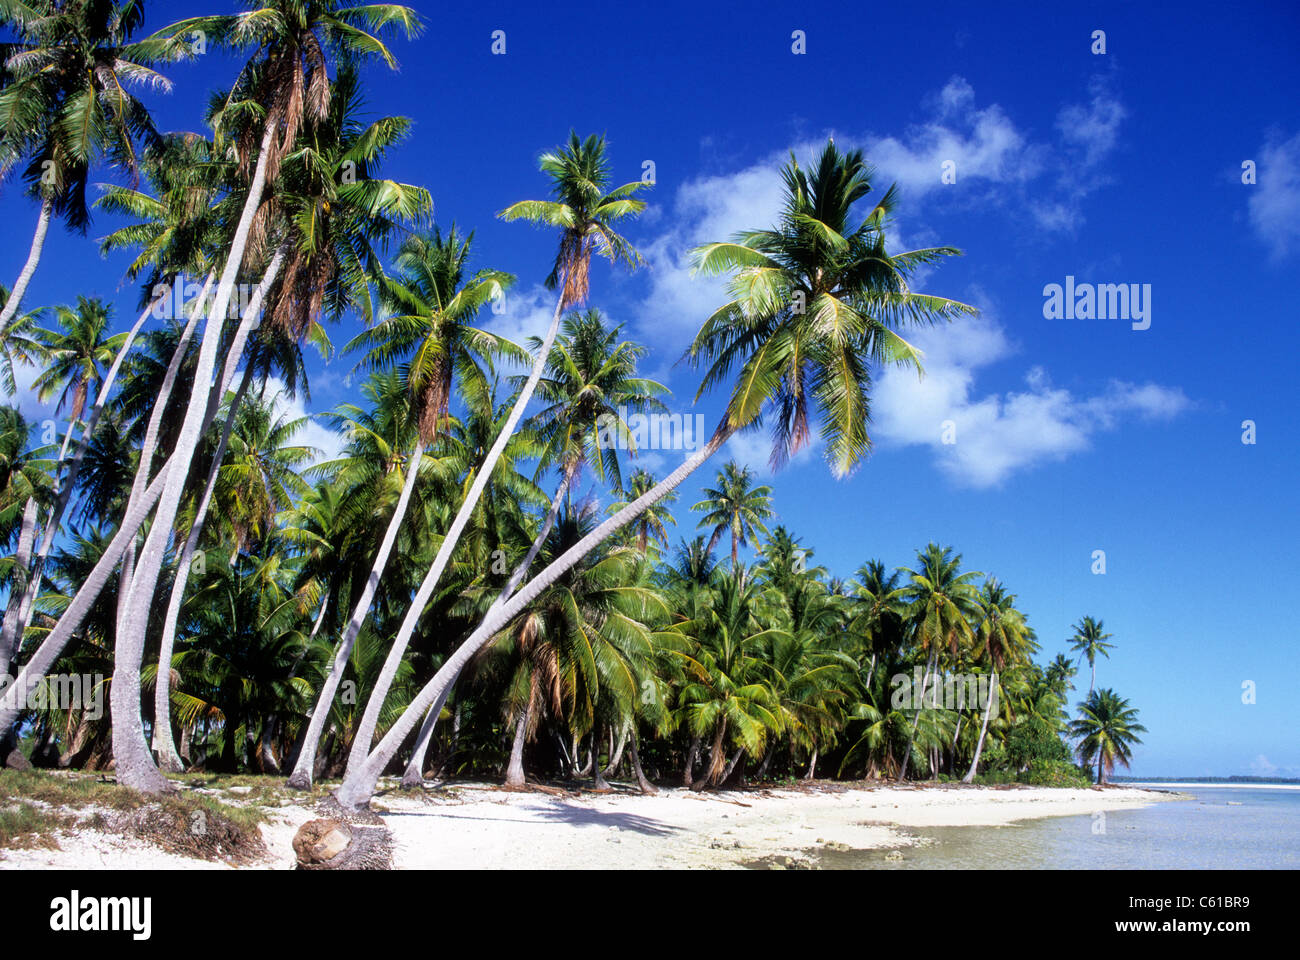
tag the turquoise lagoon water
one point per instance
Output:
(1226, 828)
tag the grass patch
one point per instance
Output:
(24, 825)
(187, 823)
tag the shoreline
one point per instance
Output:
(482, 826)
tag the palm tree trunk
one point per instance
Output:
(812, 767)
(641, 781)
(135, 765)
(375, 705)
(515, 772)
(717, 760)
(767, 762)
(916, 715)
(29, 268)
(163, 746)
(598, 782)
(9, 647)
(301, 778)
(688, 771)
(141, 501)
(414, 773)
(984, 727)
(359, 786)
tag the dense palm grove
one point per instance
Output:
(485, 582)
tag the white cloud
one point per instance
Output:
(997, 435)
(315, 434)
(1274, 203)
(983, 144)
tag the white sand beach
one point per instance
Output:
(480, 826)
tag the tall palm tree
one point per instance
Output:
(18, 344)
(431, 304)
(24, 484)
(66, 104)
(941, 603)
(76, 355)
(735, 505)
(1001, 638)
(784, 345)
(1107, 729)
(1088, 641)
(584, 213)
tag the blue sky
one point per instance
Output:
(1071, 435)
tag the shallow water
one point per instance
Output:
(1224, 828)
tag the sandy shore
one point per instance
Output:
(477, 826)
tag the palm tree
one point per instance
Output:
(24, 485)
(652, 524)
(76, 355)
(431, 304)
(941, 602)
(735, 505)
(1107, 729)
(65, 105)
(1001, 637)
(1088, 641)
(784, 345)
(18, 344)
(584, 213)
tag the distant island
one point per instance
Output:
(1206, 779)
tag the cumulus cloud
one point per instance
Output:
(328, 443)
(996, 161)
(1274, 204)
(996, 435)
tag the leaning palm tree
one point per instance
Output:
(1001, 637)
(1107, 729)
(792, 351)
(18, 344)
(584, 213)
(66, 104)
(736, 506)
(79, 356)
(429, 331)
(1088, 641)
(24, 485)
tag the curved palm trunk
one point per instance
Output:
(22, 559)
(984, 727)
(598, 781)
(692, 754)
(641, 781)
(163, 745)
(18, 616)
(29, 268)
(375, 705)
(11, 703)
(515, 779)
(717, 759)
(414, 774)
(359, 785)
(301, 778)
(135, 765)
(812, 767)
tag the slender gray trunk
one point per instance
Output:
(359, 786)
(617, 756)
(10, 646)
(301, 778)
(916, 715)
(414, 774)
(984, 727)
(641, 781)
(812, 767)
(598, 781)
(29, 268)
(163, 746)
(135, 764)
(375, 705)
(515, 771)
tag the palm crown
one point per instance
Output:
(814, 302)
